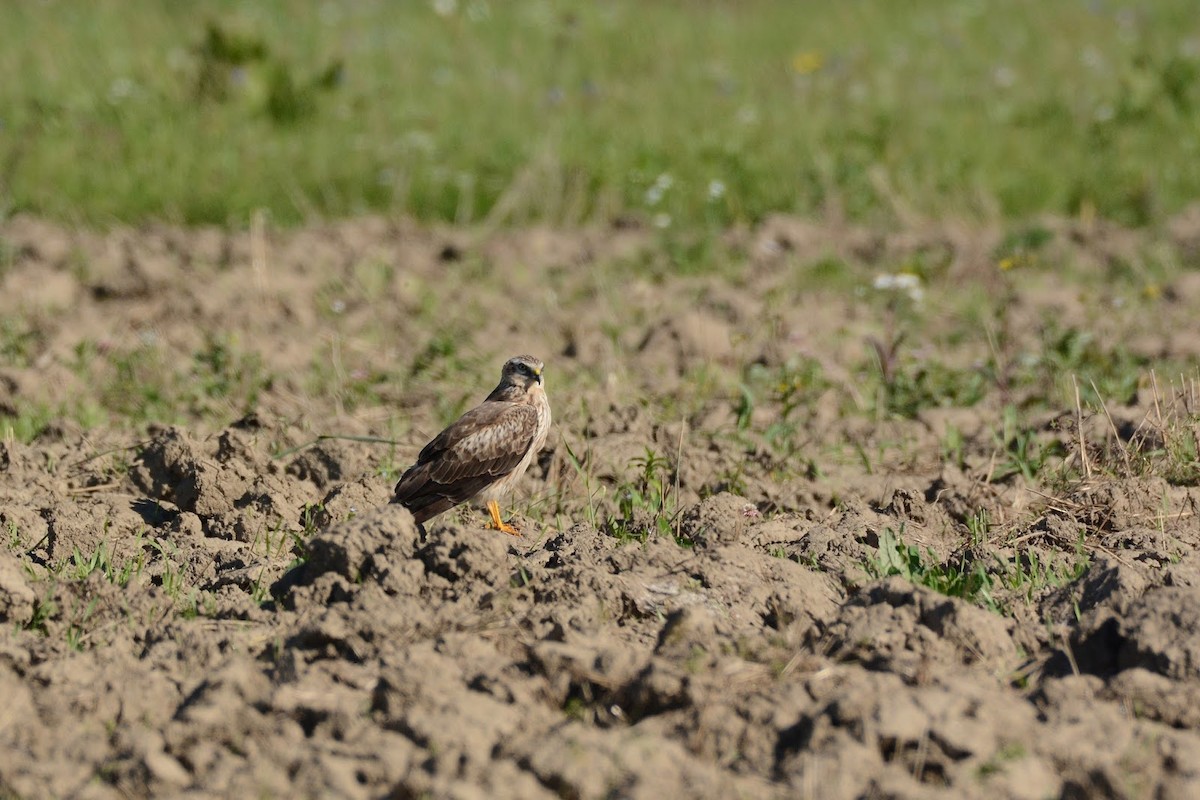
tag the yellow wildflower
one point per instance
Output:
(807, 62)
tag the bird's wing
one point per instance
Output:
(485, 444)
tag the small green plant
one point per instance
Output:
(44, 610)
(579, 466)
(171, 578)
(784, 391)
(575, 708)
(521, 578)
(980, 527)
(19, 342)
(199, 604)
(895, 557)
(30, 422)
(1030, 574)
(231, 65)
(309, 520)
(1009, 752)
(953, 446)
(1020, 452)
(1102, 374)
(147, 383)
(80, 566)
(389, 468)
(908, 388)
(1021, 247)
(78, 627)
(221, 372)
(260, 592)
(274, 539)
(1170, 443)
(646, 505)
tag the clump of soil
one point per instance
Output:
(703, 603)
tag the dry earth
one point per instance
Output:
(741, 650)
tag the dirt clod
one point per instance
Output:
(761, 557)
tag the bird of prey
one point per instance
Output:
(484, 453)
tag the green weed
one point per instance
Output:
(1103, 375)
(646, 504)
(30, 422)
(1020, 247)
(100, 560)
(895, 557)
(590, 488)
(44, 610)
(912, 387)
(78, 627)
(1008, 753)
(1168, 443)
(1019, 450)
(788, 389)
(19, 342)
(1030, 574)
(979, 525)
(148, 384)
(953, 446)
(1027, 576)
(171, 577)
(16, 542)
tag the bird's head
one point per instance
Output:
(522, 372)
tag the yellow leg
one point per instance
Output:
(497, 523)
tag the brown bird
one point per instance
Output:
(484, 453)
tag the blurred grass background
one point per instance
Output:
(688, 114)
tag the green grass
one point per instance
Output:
(81, 565)
(995, 586)
(149, 383)
(691, 114)
(157, 558)
(646, 502)
(895, 557)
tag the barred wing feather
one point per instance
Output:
(483, 446)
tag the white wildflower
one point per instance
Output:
(120, 89)
(902, 283)
(478, 11)
(662, 183)
(1091, 57)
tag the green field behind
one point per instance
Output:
(690, 115)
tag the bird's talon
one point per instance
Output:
(497, 523)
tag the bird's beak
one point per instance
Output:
(538, 374)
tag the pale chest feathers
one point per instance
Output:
(541, 404)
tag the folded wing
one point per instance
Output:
(483, 446)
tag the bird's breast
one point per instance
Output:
(541, 404)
